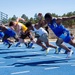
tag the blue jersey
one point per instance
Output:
(1, 34)
(10, 33)
(57, 29)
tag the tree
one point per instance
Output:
(24, 17)
(32, 20)
(14, 18)
(54, 15)
(36, 19)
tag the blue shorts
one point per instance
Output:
(1, 35)
(10, 33)
(66, 38)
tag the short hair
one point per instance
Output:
(28, 24)
(11, 23)
(39, 14)
(48, 15)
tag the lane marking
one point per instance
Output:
(73, 65)
(56, 64)
(49, 68)
(6, 66)
(20, 72)
(1, 58)
(72, 60)
(23, 60)
(58, 57)
(2, 62)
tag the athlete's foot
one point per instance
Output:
(69, 54)
(26, 44)
(30, 45)
(47, 50)
(56, 51)
(9, 45)
(43, 49)
(66, 52)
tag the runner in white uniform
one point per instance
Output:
(42, 36)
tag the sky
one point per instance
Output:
(30, 7)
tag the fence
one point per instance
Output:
(3, 17)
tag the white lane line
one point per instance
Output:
(6, 66)
(45, 57)
(44, 64)
(23, 60)
(57, 64)
(51, 56)
(21, 72)
(73, 65)
(57, 56)
(1, 58)
(35, 52)
(72, 60)
(64, 63)
(2, 62)
(49, 68)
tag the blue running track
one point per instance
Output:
(24, 61)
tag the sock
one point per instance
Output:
(17, 44)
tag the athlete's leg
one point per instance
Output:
(72, 43)
(39, 42)
(59, 43)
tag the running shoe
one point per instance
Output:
(69, 54)
(57, 50)
(43, 49)
(9, 45)
(26, 44)
(47, 50)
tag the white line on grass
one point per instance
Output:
(21, 72)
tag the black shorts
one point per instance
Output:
(23, 36)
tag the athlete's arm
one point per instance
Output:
(3, 28)
(31, 37)
(68, 18)
(18, 19)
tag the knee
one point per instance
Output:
(58, 43)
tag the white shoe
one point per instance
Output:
(69, 54)
(56, 50)
(47, 50)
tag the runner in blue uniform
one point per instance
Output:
(63, 34)
(8, 32)
(1, 34)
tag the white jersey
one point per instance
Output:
(40, 31)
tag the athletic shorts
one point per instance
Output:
(66, 38)
(23, 36)
(44, 38)
(10, 33)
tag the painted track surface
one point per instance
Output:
(23, 61)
